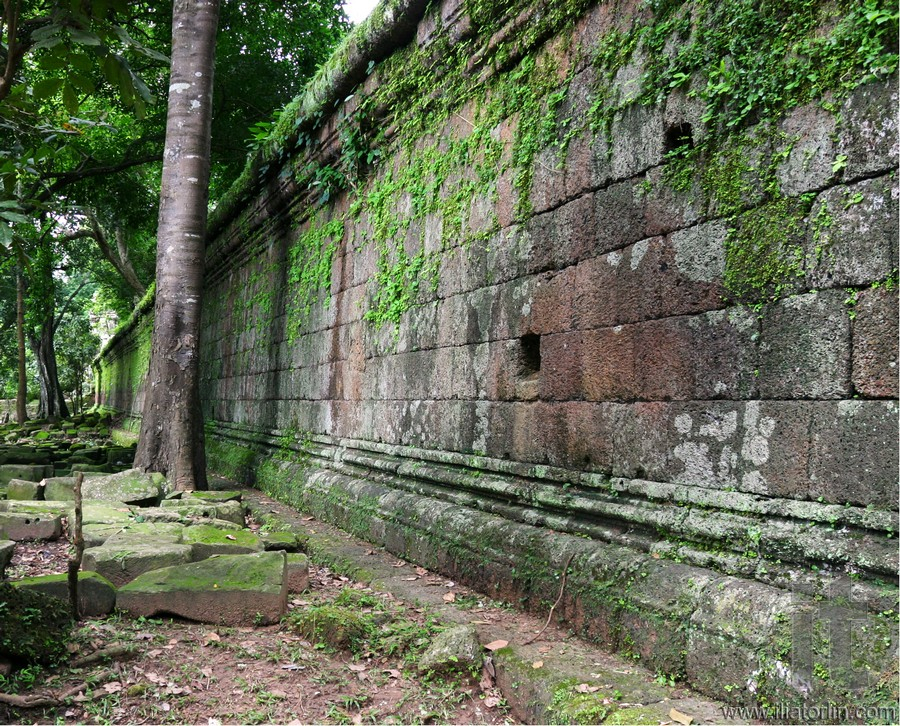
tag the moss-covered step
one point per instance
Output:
(287, 541)
(297, 572)
(99, 512)
(131, 486)
(21, 455)
(96, 594)
(7, 547)
(124, 562)
(20, 526)
(23, 489)
(146, 533)
(228, 589)
(34, 627)
(211, 496)
(208, 540)
(36, 507)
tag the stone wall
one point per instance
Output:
(519, 283)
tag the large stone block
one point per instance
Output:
(229, 590)
(28, 472)
(96, 594)
(19, 526)
(854, 454)
(131, 486)
(207, 540)
(22, 489)
(868, 132)
(875, 354)
(805, 347)
(852, 234)
(123, 563)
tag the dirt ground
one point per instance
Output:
(165, 671)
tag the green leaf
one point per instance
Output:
(6, 236)
(70, 99)
(52, 61)
(46, 88)
(84, 37)
(82, 83)
(81, 62)
(14, 217)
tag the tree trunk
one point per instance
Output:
(171, 439)
(53, 399)
(22, 392)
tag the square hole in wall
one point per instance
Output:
(529, 355)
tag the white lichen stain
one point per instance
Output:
(683, 422)
(721, 429)
(614, 258)
(758, 429)
(179, 87)
(638, 252)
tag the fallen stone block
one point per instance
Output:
(20, 526)
(28, 472)
(59, 488)
(146, 533)
(228, 589)
(274, 541)
(23, 489)
(230, 511)
(96, 594)
(215, 496)
(456, 649)
(123, 563)
(208, 541)
(7, 547)
(35, 507)
(92, 468)
(33, 627)
(131, 486)
(94, 512)
(297, 572)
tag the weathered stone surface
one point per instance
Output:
(868, 132)
(24, 526)
(297, 572)
(854, 454)
(99, 512)
(22, 489)
(145, 533)
(7, 547)
(221, 495)
(227, 589)
(124, 562)
(96, 594)
(875, 356)
(35, 507)
(454, 649)
(274, 541)
(209, 540)
(131, 486)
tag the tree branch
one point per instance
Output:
(65, 307)
(65, 178)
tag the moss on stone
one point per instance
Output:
(34, 627)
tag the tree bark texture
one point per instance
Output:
(22, 392)
(53, 399)
(171, 439)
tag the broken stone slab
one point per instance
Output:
(28, 472)
(20, 526)
(230, 511)
(297, 572)
(96, 594)
(7, 547)
(96, 535)
(131, 487)
(455, 649)
(24, 489)
(228, 589)
(208, 541)
(123, 563)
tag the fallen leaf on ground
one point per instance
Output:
(399, 563)
(450, 597)
(231, 537)
(394, 673)
(278, 693)
(113, 687)
(143, 636)
(497, 644)
(492, 702)
(538, 664)
(586, 688)
(680, 717)
(155, 653)
(211, 638)
(357, 667)
(421, 571)
(410, 579)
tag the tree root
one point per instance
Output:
(113, 652)
(562, 589)
(41, 700)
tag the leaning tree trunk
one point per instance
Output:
(22, 392)
(171, 439)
